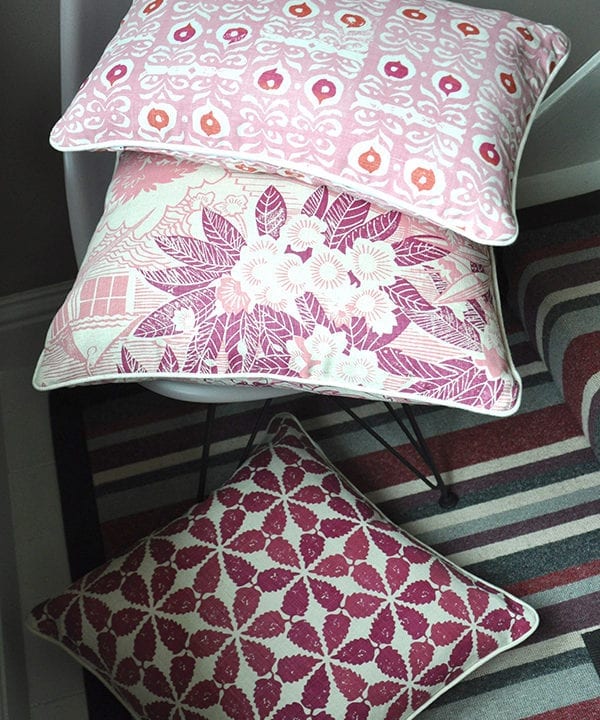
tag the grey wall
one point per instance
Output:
(36, 246)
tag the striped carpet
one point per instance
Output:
(528, 518)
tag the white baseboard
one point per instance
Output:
(18, 311)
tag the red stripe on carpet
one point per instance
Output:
(555, 579)
(576, 615)
(586, 710)
(500, 437)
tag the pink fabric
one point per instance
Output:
(284, 596)
(203, 274)
(420, 108)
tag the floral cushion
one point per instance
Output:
(286, 595)
(200, 273)
(419, 107)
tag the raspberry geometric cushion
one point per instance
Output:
(202, 274)
(285, 595)
(422, 107)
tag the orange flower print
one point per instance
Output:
(488, 152)
(242, 167)
(158, 118)
(508, 82)
(352, 21)
(413, 14)
(422, 178)
(301, 10)
(209, 124)
(370, 160)
(152, 6)
(468, 28)
(270, 79)
(526, 33)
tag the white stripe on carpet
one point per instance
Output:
(592, 386)
(531, 696)
(464, 515)
(550, 263)
(523, 654)
(458, 475)
(528, 541)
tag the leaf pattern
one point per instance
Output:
(317, 203)
(445, 326)
(405, 295)
(179, 280)
(276, 281)
(285, 625)
(274, 327)
(195, 252)
(271, 212)
(469, 385)
(205, 346)
(221, 233)
(128, 363)
(242, 342)
(418, 249)
(168, 363)
(392, 360)
(381, 227)
(345, 214)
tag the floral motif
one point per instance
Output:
(328, 279)
(239, 278)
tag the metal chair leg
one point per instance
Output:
(448, 498)
(208, 426)
(206, 442)
(257, 424)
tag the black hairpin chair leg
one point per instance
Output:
(208, 428)
(209, 422)
(448, 498)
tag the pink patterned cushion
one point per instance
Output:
(418, 107)
(200, 273)
(286, 595)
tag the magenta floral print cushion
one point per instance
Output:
(204, 274)
(285, 595)
(420, 107)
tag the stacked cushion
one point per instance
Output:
(423, 109)
(203, 274)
